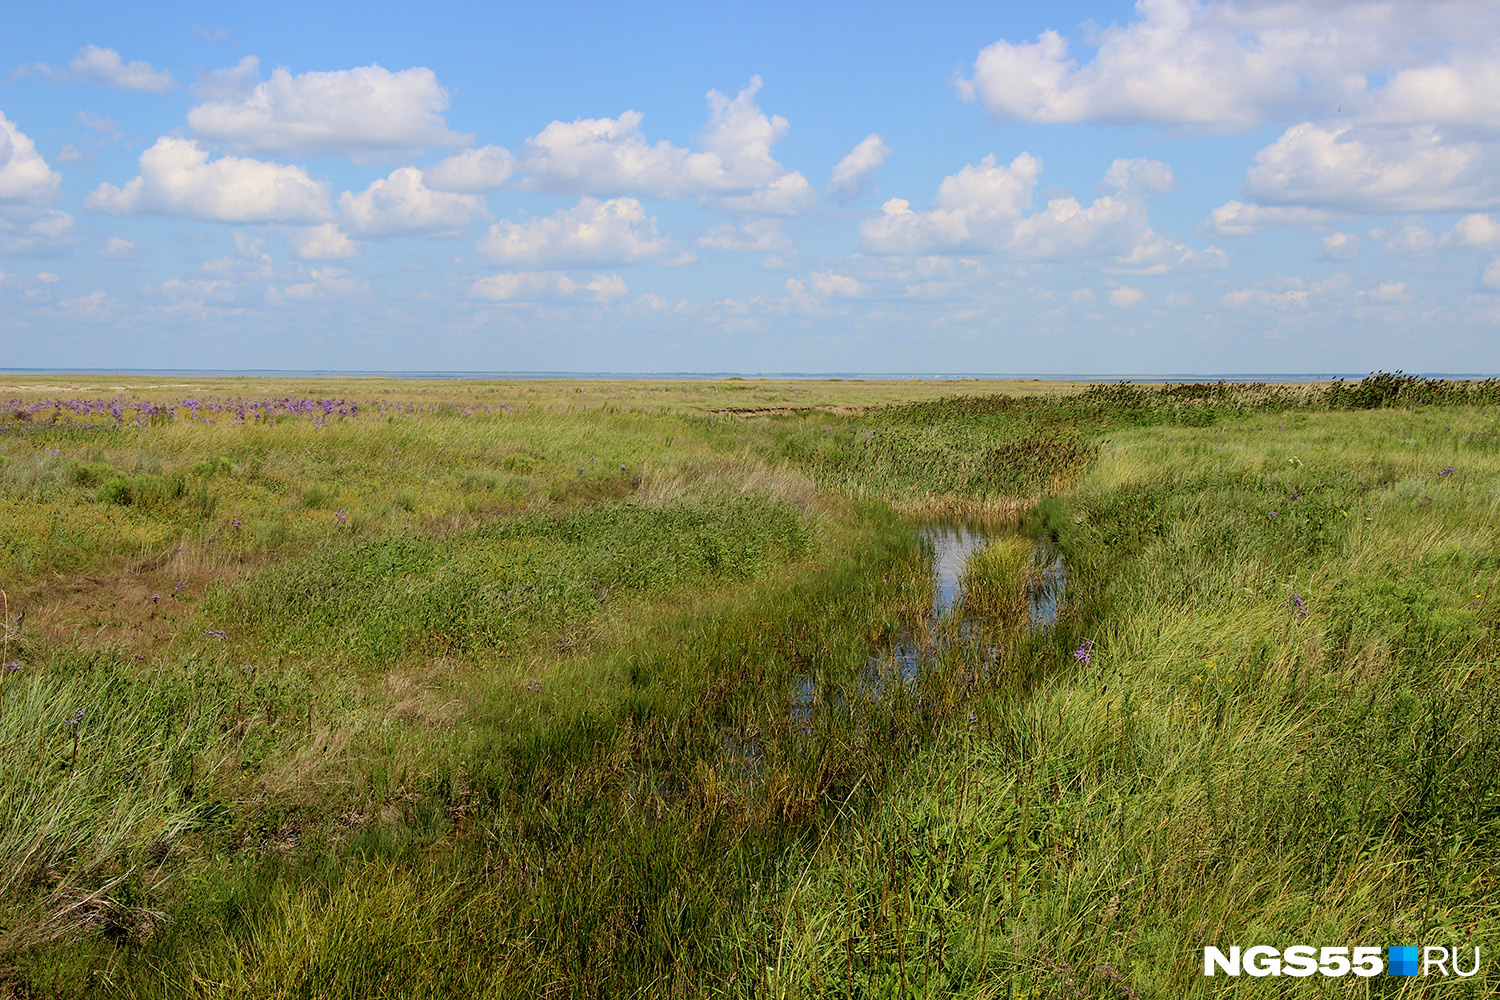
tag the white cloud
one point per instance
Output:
(1083, 296)
(751, 236)
(199, 289)
(473, 171)
(1465, 91)
(325, 242)
(95, 305)
(1230, 65)
(177, 178)
(536, 286)
(1411, 240)
(325, 283)
(47, 278)
(1124, 298)
(119, 248)
(106, 129)
(985, 209)
(1235, 218)
(610, 156)
(835, 285)
(1339, 246)
(789, 194)
(366, 112)
(851, 174)
(1491, 276)
(28, 186)
(24, 176)
(1295, 298)
(403, 204)
(1388, 291)
(1376, 170)
(1476, 231)
(106, 68)
(231, 84)
(593, 232)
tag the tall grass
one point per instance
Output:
(480, 716)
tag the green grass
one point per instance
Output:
(451, 704)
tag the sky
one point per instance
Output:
(1169, 186)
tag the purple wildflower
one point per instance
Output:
(1274, 515)
(341, 515)
(155, 598)
(1294, 495)
(76, 718)
(214, 633)
(13, 665)
(1294, 602)
(180, 585)
(1447, 472)
(1085, 651)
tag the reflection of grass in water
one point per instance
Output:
(996, 578)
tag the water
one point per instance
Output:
(906, 658)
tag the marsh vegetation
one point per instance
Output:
(373, 689)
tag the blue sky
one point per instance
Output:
(1166, 186)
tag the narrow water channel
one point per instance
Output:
(910, 654)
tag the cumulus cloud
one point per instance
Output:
(325, 242)
(473, 171)
(106, 68)
(25, 177)
(1242, 298)
(1465, 91)
(1235, 218)
(752, 236)
(324, 283)
(403, 204)
(119, 248)
(28, 186)
(367, 112)
(1476, 231)
(1124, 298)
(987, 209)
(1340, 246)
(611, 156)
(851, 174)
(177, 178)
(536, 286)
(1410, 240)
(1491, 276)
(1230, 65)
(593, 232)
(1376, 170)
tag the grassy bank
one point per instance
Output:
(498, 696)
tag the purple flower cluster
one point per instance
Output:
(1085, 651)
(1298, 609)
(122, 409)
(214, 633)
(1447, 472)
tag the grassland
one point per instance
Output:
(377, 688)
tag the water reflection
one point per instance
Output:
(904, 660)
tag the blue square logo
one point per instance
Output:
(1401, 960)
